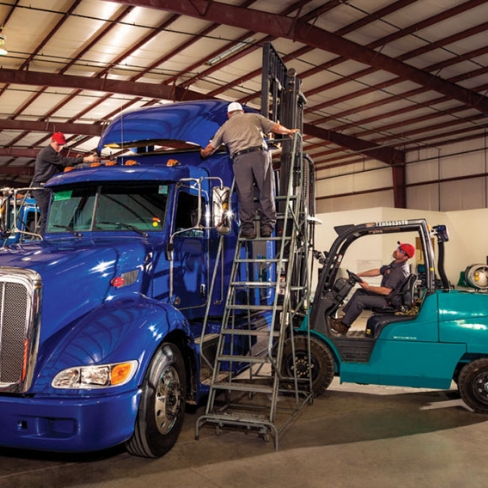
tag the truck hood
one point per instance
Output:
(77, 273)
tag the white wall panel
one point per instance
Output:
(424, 197)
(352, 202)
(462, 165)
(420, 172)
(463, 194)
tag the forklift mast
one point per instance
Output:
(283, 102)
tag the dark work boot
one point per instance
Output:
(248, 234)
(338, 326)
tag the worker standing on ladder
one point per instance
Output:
(243, 134)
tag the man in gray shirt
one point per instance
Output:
(49, 161)
(370, 296)
(243, 134)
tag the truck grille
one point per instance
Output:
(19, 299)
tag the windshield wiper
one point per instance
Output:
(69, 229)
(125, 226)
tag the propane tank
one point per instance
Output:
(476, 275)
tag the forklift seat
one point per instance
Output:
(401, 300)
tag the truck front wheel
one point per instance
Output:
(162, 405)
(473, 385)
(320, 366)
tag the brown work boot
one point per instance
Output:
(338, 326)
(248, 234)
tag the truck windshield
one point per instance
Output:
(133, 207)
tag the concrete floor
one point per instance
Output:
(353, 436)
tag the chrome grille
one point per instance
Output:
(19, 296)
(13, 300)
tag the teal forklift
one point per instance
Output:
(435, 336)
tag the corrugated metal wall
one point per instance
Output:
(450, 177)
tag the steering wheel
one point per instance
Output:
(354, 276)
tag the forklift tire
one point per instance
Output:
(162, 406)
(321, 362)
(473, 385)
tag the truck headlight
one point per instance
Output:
(99, 376)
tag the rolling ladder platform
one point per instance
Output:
(263, 287)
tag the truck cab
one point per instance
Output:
(110, 320)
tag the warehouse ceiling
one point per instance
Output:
(381, 77)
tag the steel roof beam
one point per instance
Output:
(141, 89)
(297, 30)
(93, 130)
(388, 155)
(160, 91)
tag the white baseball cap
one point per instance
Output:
(234, 106)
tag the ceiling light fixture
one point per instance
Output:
(233, 49)
(3, 51)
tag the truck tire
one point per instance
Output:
(473, 385)
(321, 362)
(162, 406)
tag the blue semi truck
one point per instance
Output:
(109, 323)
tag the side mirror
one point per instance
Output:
(221, 211)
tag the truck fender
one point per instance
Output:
(121, 330)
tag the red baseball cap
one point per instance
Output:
(59, 138)
(408, 249)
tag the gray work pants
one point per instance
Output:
(249, 169)
(362, 300)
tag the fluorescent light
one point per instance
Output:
(231, 50)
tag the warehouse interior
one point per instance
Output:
(395, 122)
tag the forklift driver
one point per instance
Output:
(369, 296)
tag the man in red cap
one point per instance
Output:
(48, 162)
(369, 296)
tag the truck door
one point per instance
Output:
(190, 253)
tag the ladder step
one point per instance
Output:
(243, 359)
(250, 332)
(279, 198)
(278, 238)
(206, 338)
(261, 260)
(261, 308)
(244, 387)
(260, 239)
(254, 284)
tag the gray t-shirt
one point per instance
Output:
(243, 131)
(394, 274)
